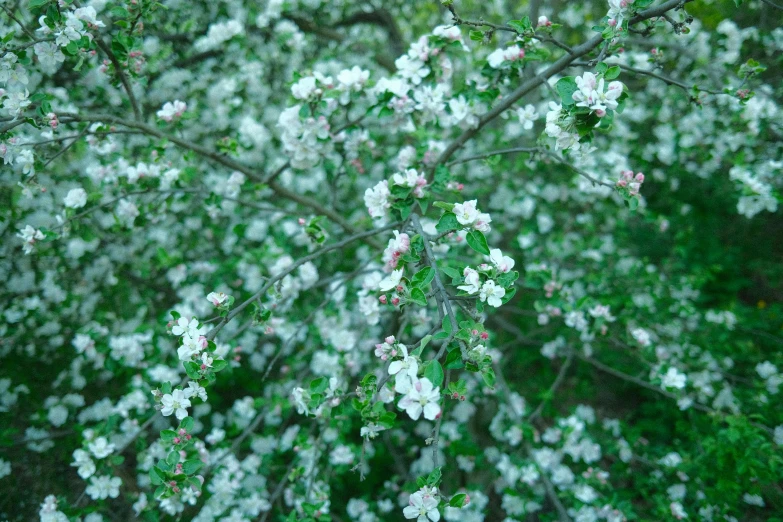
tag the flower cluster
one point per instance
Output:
(469, 215)
(630, 182)
(400, 244)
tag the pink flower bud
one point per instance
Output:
(396, 301)
(301, 221)
(639, 177)
(390, 340)
(484, 335)
(400, 288)
(612, 22)
(600, 113)
(382, 299)
(474, 332)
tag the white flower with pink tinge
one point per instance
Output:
(175, 402)
(376, 199)
(421, 398)
(469, 215)
(591, 94)
(172, 111)
(502, 263)
(472, 281)
(404, 370)
(631, 181)
(399, 245)
(217, 298)
(422, 507)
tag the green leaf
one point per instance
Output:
(418, 297)
(458, 500)
(168, 435)
(219, 365)
(451, 272)
(157, 476)
(191, 466)
(445, 206)
(319, 385)
(507, 279)
(446, 324)
(454, 360)
(476, 36)
(35, 4)
(187, 424)
(447, 223)
(612, 73)
(423, 277)
(119, 12)
(477, 242)
(434, 372)
(522, 25)
(434, 478)
(423, 344)
(489, 377)
(173, 458)
(192, 369)
(566, 87)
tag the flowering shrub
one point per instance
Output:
(312, 261)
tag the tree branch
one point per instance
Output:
(533, 83)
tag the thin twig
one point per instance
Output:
(493, 153)
(315, 255)
(552, 389)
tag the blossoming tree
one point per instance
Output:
(307, 260)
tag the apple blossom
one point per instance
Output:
(76, 198)
(175, 402)
(420, 398)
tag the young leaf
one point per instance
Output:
(477, 242)
(457, 500)
(191, 466)
(448, 222)
(423, 277)
(418, 297)
(566, 87)
(434, 372)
